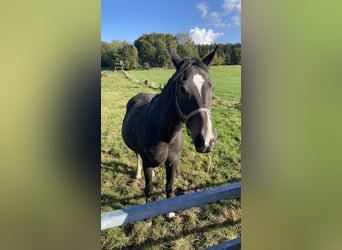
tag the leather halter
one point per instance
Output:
(185, 118)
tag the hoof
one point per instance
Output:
(148, 223)
(170, 215)
(138, 177)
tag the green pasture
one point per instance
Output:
(194, 228)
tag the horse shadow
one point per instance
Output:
(119, 167)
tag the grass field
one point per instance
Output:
(194, 228)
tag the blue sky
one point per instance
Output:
(214, 21)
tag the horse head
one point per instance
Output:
(193, 99)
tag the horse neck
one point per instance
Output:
(164, 111)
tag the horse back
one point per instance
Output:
(138, 100)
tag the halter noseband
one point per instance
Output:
(185, 118)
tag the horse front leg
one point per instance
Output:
(171, 168)
(148, 171)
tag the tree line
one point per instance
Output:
(151, 50)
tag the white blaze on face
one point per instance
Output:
(198, 81)
(209, 135)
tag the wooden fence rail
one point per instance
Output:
(156, 208)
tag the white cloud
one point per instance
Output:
(204, 8)
(211, 17)
(231, 5)
(236, 21)
(202, 36)
(227, 17)
(216, 20)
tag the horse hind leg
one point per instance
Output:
(139, 166)
(148, 171)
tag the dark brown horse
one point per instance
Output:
(152, 127)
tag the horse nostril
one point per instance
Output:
(199, 143)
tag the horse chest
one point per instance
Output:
(157, 154)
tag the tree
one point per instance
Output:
(153, 49)
(135, 59)
(227, 52)
(183, 38)
(128, 55)
(203, 50)
(106, 55)
(170, 41)
(145, 50)
(116, 51)
(236, 54)
(186, 47)
(115, 48)
(162, 55)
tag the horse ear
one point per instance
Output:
(176, 59)
(207, 60)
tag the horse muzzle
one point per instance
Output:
(205, 143)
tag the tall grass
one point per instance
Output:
(193, 228)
